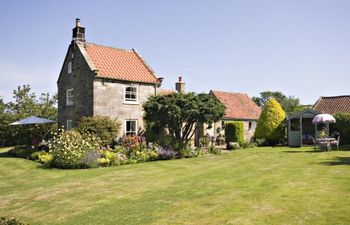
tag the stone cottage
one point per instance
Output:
(100, 80)
(239, 107)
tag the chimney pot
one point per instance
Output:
(180, 86)
(77, 22)
(78, 31)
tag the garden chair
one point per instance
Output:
(336, 142)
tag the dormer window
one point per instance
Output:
(69, 67)
(69, 97)
(130, 94)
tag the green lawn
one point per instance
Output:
(256, 186)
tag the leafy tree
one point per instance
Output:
(179, 113)
(103, 127)
(25, 104)
(343, 127)
(290, 104)
(270, 124)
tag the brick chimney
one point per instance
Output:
(180, 86)
(78, 31)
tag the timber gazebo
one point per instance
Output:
(301, 130)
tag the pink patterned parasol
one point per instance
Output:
(323, 118)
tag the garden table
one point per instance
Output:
(325, 142)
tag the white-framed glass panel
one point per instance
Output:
(70, 97)
(130, 94)
(131, 127)
(69, 124)
(69, 67)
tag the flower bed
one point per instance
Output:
(73, 150)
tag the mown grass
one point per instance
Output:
(256, 186)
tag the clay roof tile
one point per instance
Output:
(238, 105)
(119, 64)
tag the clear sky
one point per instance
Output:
(299, 47)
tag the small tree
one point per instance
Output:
(234, 132)
(103, 127)
(343, 127)
(270, 124)
(289, 104)
(179, 113)
(25, 104)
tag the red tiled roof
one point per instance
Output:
(119, 64)
(238, 106)
(166, 92)
(333, 105)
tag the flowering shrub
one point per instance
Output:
(167, 153)
(131, 145)
(145, 155)
(45, 159)
(109, 158)
(131, 141)
(69, 149)
(90, 159)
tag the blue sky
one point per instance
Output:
(301, 48)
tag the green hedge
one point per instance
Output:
(103, 127)
(270, 124)
(234, 132)
(343, 127)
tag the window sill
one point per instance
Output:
(131, 103)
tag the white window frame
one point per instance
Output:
(130, 101)
(70, 101)
(69, 124)
(70, 67)
(125, 128)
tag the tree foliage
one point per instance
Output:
(343, 127)
(270, 124)
(290, 104)
(234, 132)
(25, 104)
(103, 127)
(178, 113)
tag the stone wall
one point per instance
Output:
(109, 101)
(81, 80)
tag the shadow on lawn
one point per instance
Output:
(317, 150)
(301, 151)
(6, 155)
(337, 161)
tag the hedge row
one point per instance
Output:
(234, 132)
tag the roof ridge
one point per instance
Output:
(337, 96)
(229, 92)
(104, 46)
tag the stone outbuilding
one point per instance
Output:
(105, 81)
(239, 107)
